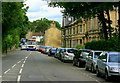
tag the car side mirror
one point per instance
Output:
(90, 57)
(104, 60)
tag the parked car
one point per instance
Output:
(46, 49)
(91, 60)
(42, 48)
(57, 52)
(51, 51)
(108, 64)
(37, 46)
(80, 57)
(60, 53)
(67, 54)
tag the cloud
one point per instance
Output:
(39, 9)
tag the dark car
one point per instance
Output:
(52, 51)
(80, 57)
(57, 52)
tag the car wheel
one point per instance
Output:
(86, 68)
(92, 69)
(78, 64)
(97, 72)
(74, 63)
(63, 61)
(107, 78)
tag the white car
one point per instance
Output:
(67, 54)
(24, 47)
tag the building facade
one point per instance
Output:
(52, 36)
(85, 30)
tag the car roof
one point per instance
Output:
(96, 51)
(114, 52)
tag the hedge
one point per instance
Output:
(104, 45)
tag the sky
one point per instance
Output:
(39, 9)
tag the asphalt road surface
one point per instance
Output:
(33, 66)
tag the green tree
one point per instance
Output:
(42, 24)
(14, 24)
(88, 10)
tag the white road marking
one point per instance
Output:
(20, 71)
(0, 76)
(6, 71)
(26, 57)
(24, 61)
(22, 65)
(18, 61)
(13, 65)
(18, 79)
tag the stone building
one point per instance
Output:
(82, 30)
(52, 36)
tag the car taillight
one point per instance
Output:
(65, 54)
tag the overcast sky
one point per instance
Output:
(39, 9)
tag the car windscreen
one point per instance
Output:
(84, 54)
(53, 49)
(47, 47)
(71, 50)
(114, 58)
(97, 54)
(31, 43)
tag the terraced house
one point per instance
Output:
(80, 31)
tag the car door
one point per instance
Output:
(102, 62)
(89, 59)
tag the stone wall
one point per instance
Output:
(53, 36)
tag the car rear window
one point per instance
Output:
(71, 50)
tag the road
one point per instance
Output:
(32, 66)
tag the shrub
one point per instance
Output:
(105, 45)
(80, 47)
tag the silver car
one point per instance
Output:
(68, 54)
(108, 64)
(91, 60)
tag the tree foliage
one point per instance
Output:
(14, 23)
(88, 10)
(42, 25)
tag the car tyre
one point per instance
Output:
(92, 69)
(86, 68)
(78, 64)
(107, 78)
(97, 72)
(74, 63)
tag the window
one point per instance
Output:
(73, 30)
(76, 29)
(80, 41)
(70, 31)
(80, 28)
(97, 54)
(90, 54)
(103, 57)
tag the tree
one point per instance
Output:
(88, 10)
(14, 23)
(42, 25)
